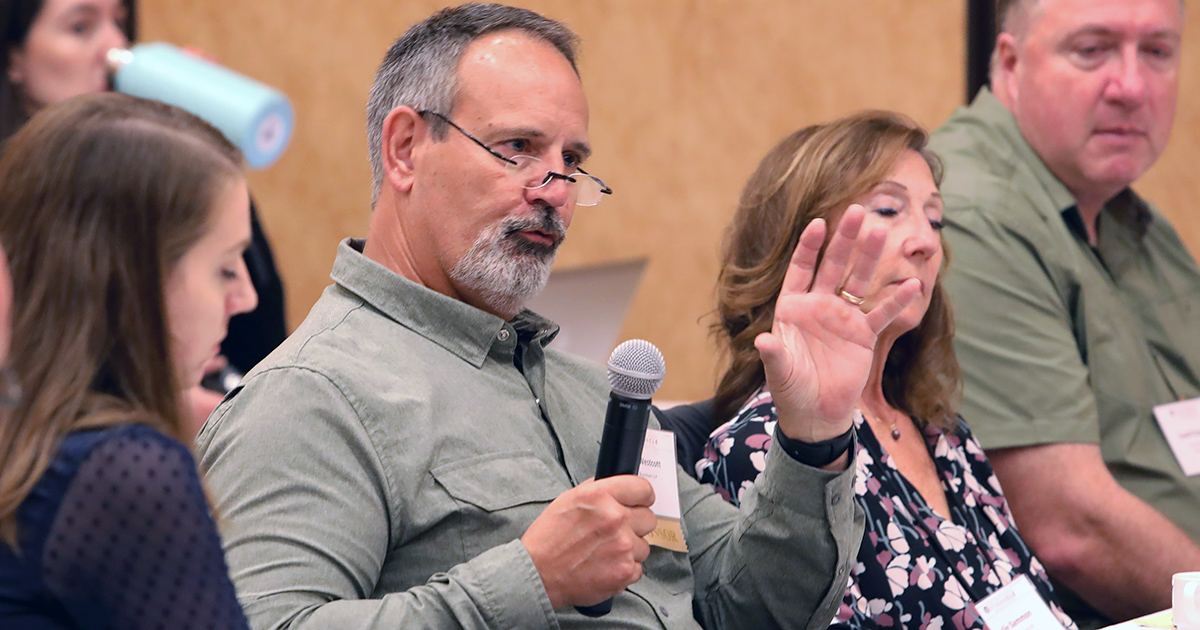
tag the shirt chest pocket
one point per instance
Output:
(496, 497)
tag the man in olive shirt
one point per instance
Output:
(1076, 304)
(416, 456)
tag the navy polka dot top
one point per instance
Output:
(117, 534)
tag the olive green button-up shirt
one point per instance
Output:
(380, 467)
(1059, 341)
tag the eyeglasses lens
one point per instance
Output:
(533, 174)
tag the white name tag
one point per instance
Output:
(1180, 423)
(1017, 606)
(658, 467)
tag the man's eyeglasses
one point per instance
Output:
(587, 189)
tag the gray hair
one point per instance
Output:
(420, 70)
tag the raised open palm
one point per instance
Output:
(818, 354)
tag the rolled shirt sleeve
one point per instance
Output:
(788, 558)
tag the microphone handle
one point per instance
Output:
(624, 434)
(620, 454)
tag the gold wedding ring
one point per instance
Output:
(850, 297)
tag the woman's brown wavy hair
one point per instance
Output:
(817, 172)
(102, 196)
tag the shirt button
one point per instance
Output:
(503, 336)
(837, 498)
(664, 611)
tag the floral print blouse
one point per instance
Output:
(915, 569)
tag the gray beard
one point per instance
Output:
(503, 268)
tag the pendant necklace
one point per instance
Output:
(895, 430)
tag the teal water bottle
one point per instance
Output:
(255, 117)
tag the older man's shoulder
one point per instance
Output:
(345, 336)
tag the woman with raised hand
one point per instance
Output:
(125, 222)
(939, 536)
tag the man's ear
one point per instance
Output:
(1004, 68)
(402, 129)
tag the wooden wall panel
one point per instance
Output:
(685, 95)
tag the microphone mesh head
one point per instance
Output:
(636, 369)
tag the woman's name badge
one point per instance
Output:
(1017, 606)
(658, 467)
(1180, 424)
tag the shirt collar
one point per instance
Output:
(1131, 212)
(463, 330)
